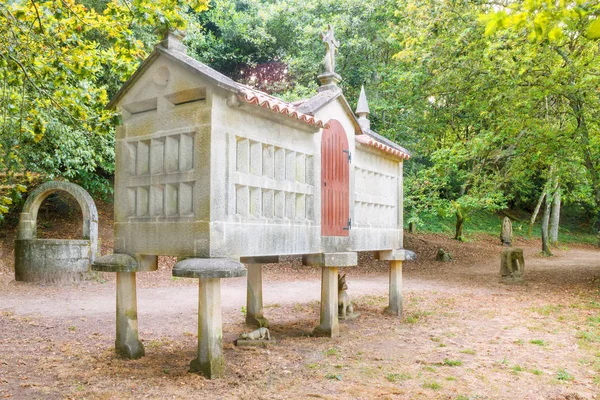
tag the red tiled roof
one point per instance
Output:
(364, 139)
(264, 100)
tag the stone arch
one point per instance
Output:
(27, 228)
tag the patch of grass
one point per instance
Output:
(516, 369)
(331, 352)
(155, 344)
(432, 385)
(72, 328)
(468, 351)
(452, 363)
(333, 376)
(547, 310)
(538, 342)
(414, 317)
(519, 342)
(398, 377)
(587, 337)
(244, 311)
(536, 372)
(429, 368)
(450, 378)
(563, 375)
(441, 345)
(312, 366)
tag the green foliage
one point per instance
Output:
(452, 363)
(546, 20)
(564, 375)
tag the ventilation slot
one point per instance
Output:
(186, 96)
(141, 106)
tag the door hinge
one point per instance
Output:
(349, 155)
(349, 225)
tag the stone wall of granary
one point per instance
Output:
(378, 201)
(265, 183)
(162, 175)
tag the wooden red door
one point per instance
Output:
(335, 181)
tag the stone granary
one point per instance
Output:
(208, 169)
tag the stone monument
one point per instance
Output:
(512, 265)
(506, 234)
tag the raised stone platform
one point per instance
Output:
(205, 268)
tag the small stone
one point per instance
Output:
(443, 256)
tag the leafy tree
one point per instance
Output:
(59, 63)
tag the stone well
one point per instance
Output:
(55, 260)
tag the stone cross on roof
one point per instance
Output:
(329, 78)
(331, 48)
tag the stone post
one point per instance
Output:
(329, 263)
(254, 293)
(395, 257)
(127, 343)
(329, 323)
(210, 361)
(254, 301)
(395, 293)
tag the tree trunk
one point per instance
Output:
(590, 162)
(460, 221)
(545, 219)
(555, 218)
(535, 212)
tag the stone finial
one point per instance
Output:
(362, 110)
(331, 48)
(329, 78)
(173, 40)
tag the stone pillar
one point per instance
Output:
(395, 293)
(254, 293)
(395, 257)
(329, 324)
(209, 271)
(127, 343)
(254, 300)
(329, 263)
(210, 361)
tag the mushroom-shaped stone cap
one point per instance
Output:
(209, 268)
(115, 263)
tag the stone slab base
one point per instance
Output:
(254, 343)
(348, 317)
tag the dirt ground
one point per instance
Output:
(463, 335)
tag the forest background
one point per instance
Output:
(498, 100)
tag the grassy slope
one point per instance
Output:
(572, 229)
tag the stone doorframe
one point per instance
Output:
(27, 228)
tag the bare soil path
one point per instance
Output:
(463, 335)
